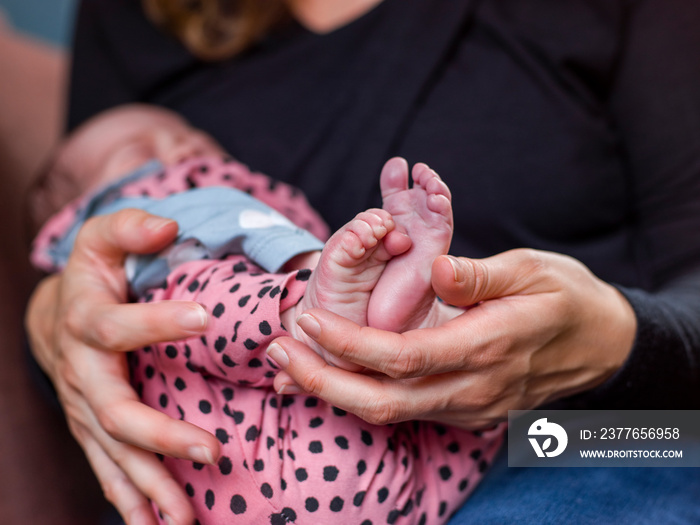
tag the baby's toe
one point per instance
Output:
(371, 226)
(439, 204)
(394, 176)
(436, 186)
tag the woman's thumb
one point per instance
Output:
(460, 281)
(111, 237)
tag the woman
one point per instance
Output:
(567, 128)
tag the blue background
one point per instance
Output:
(50, 20)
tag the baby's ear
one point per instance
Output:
(48, 192)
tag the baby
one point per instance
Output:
(242, 251)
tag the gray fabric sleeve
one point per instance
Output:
(213, 222)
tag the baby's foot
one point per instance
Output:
(403, 297)
(350, 265)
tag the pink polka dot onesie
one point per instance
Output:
(284, 459)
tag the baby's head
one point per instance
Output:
(119, 140)
(109, 146)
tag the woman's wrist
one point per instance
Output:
(615, 338)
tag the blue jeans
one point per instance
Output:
(643, 496)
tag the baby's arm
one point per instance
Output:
(213, 171)
(244, 303)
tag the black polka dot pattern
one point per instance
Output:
(293, 456)
(330, 473)
(311, 504)
(225, 465)
(238, 504)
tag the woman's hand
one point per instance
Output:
(543, 327)
(79, 329)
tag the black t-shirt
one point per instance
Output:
(565, 126)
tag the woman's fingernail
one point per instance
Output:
(278, 355)
(310, 325)
(289, 389)
(201, 454)
(156, 223)
(456, 268)
(167, 519)
(193, 318)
